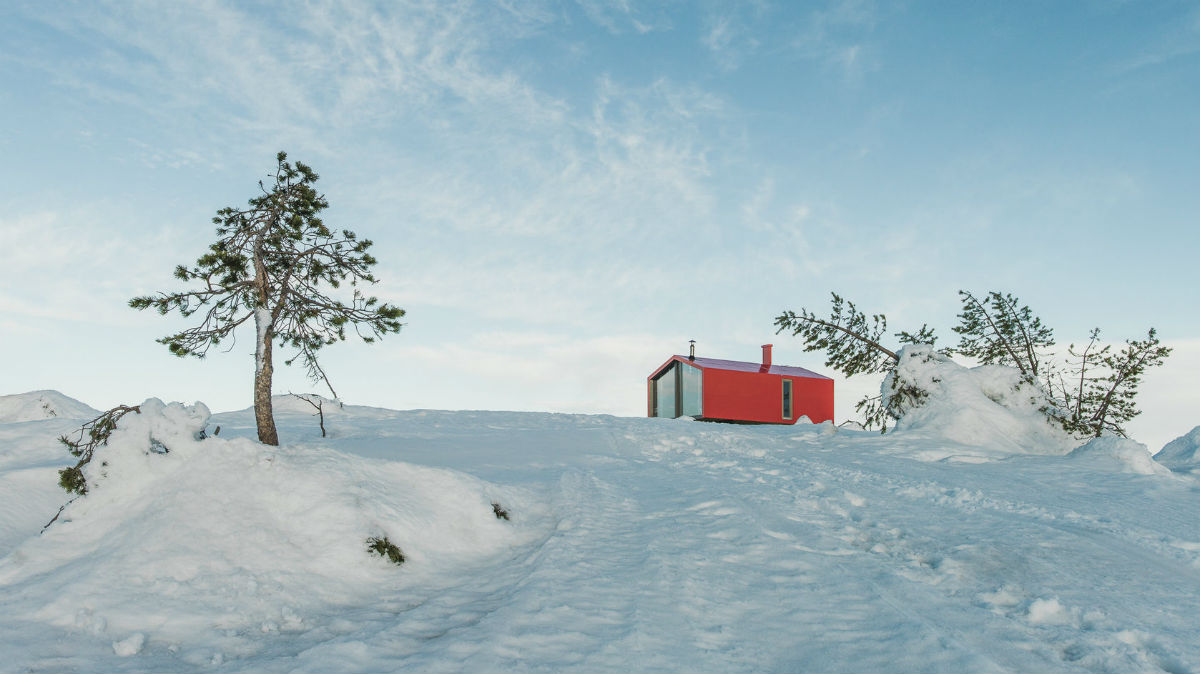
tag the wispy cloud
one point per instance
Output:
(621, 16)
(304, 72)
(730, 32)
(70, 266)
(837, 36)
(507, 197)
(1181, 39)
(566, 215)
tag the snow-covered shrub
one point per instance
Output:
(989, 405)
(499, 511)
(149, 428)
(385, 548)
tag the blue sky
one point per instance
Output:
(563, 193)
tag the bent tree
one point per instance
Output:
(277, 263)
(1094, 394)
(854, 345)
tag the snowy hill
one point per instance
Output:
(1183, 453)
(39, 405)
(632, 544)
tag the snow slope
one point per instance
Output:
(633, 544)
(1183, 453)
(30, 456)
(38, 405)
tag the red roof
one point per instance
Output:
(743, 366)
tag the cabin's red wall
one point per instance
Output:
(758, 396)
(813, 398)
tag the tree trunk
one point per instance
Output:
(264, 415)
(264, 323)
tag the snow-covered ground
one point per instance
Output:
(632, 545)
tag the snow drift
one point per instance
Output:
(1119, 454)
(39, 405)
(1182, 454)
(255, 534)
(988, 407)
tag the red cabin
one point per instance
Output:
(738, 392)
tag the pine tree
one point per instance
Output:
(1105, 402)
(1100, 393)
(276, 262)
(996, 331)
(852, 343)
(1069, 388)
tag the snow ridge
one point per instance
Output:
(1183, 453)
(41, 405)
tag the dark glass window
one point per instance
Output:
(787, 398)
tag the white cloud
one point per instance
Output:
(492, 202)
(73, 266)
(505, 199)
(304, 72)
(1179, 40)
(621, 16)
(836, 35)
(566, 215)
(730, 32)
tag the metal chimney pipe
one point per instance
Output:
(692, 349)
(766, 363)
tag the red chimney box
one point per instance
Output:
(766, 356)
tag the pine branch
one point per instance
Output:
(92, 435)
(853, 335)
(1000, 341)
(1115, 405)
(851, 342)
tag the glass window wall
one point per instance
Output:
(664, 388)
(678, 391)
(691, 382)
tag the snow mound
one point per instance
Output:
(1120, 454)
(989, 406)
(231, 537)
(1182, 454)
(39, 405)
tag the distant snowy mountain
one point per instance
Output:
(631, 544)
(39, 405)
